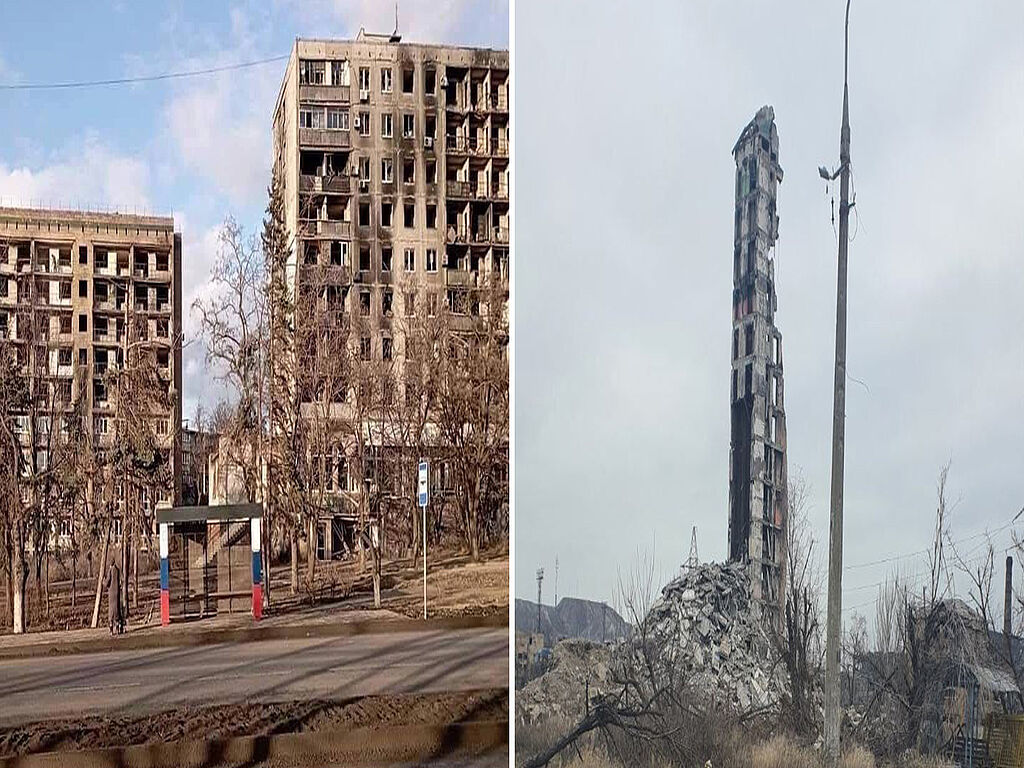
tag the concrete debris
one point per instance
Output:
(701, 631)
(578, 667)
(703, 627)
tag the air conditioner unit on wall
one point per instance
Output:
(428, 142)
(364, 94)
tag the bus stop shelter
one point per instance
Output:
(210, 561)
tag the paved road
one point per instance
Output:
(135, 682)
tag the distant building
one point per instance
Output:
(394, 160)
(196, 446)
(757, 452)
(225, 476)
(71, 284)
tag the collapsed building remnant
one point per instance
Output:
(578, 669)
(703, 624)
(701, 636)
(757, 453)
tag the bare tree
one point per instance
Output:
(474, 404)
(233, 320)
(800, 641)
(286, 440)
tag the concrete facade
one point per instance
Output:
(82, 277)
(757, 453)
(394, 159)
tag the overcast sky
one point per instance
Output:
(623, 273)
(198, 147)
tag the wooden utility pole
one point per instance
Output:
(835, 538)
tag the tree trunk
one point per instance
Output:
(99, 579)
(376, 578)
(311, 552)
(294, 546)
(9, 586)
(266, 542)
(46, 580)
(414, 537)
(19, 575)
(74, 567)
(473, 524)
(124, 568)
(135, 573)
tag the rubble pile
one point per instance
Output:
(704, 629)
(700, 635)
(578, 667)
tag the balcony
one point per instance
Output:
(330, 274)
(499, 191)
(499, 102)
(455, 105)
(324, 138)
(325, 228)
(456, 188)
(325, 93)
(457, 144)
(499, 235)
(458, 235)
(336, 184)
(461, 278)
(499, 147)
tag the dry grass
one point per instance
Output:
(729, 747)
(858, 757)
(782, 752)
(920, 761)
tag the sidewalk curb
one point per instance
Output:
(333, 747)
(172, 639)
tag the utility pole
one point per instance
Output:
(540, 578)
(835, 537)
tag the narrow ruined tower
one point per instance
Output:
(757, 451)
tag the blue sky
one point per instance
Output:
(198, 147)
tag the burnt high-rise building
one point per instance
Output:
(757, 452)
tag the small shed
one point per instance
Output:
(210, 561)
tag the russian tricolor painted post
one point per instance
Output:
(257, 568)
(165, 577)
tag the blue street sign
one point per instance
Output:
(424, 483)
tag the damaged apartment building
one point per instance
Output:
(78, 291)
(394, 164)
(757, 453)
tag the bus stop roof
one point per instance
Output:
(217, 512)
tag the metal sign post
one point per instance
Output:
(424, 498)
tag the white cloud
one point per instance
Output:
(85, 174)
(220, 127)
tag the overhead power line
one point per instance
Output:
(920, 552)
(141, 79)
